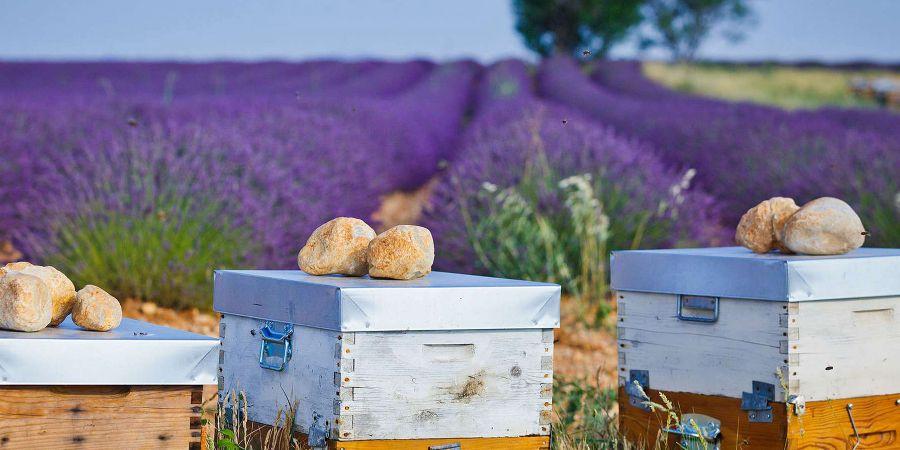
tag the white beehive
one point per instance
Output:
(443, 356)
(712, 321)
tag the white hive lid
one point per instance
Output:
(438, 301)
(735, 272)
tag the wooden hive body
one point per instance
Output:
(137, 386)
(819, 349)
(388, 388)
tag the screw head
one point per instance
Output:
(897, 402)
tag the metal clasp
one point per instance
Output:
(697, 431)
(756, 403)
(699, 303)
(276, 342)
(638, 383)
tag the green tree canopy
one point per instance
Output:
(575, 27)
(680, 26)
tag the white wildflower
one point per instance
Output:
(489, 187)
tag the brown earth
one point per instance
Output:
(8, 253)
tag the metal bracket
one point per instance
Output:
(635, 396)
(756, 403)
(453, 446)
(699, 303)
(799, 404)
(318, 436)
(697, 431)
(276, 342)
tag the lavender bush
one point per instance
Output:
(746, 154)
(540, 192)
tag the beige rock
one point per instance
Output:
(403, 252)
(337, 247)
(25, 303)
(824, 226)
(96, 310)
(62, 290)
(760, 227)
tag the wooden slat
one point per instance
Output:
(826, 424)
(97, 417)
(640, 426)
(519, 443)
(258, 432)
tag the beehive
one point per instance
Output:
(137, 386)
(442, 360)
(762, 351)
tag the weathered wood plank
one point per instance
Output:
(720, 358)
(847, 348)
(466, 383)
(98, 417)
(826, 424)
(639, 426)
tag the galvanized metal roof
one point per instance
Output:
(438, 301)
(735, 272)
(135, 353)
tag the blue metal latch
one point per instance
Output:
(637, 395)
(276, 342)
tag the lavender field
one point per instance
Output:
(149, 175)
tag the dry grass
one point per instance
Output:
(788, 87)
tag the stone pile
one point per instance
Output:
(35, 297)
(824, 226)
(347, 246)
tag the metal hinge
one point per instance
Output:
(799, 404)
(636, 397)
(276, 342)
(756, 403)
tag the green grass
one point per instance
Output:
(787, 87)
(166, 254)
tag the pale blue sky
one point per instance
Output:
(396, 29)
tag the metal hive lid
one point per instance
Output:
(736, 272)
(135, 353)
(438, 301)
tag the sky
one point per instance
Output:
(829, 30)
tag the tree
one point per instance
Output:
(681, 25)
(576, 27)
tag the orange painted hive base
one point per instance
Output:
(823, 424)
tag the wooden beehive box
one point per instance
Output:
(137, 386)
(446, 359)
(774, 351)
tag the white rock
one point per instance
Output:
(824, 226)
(62, 290)
(403, 252)
(25, 303)
(96, 310)
(337, 247)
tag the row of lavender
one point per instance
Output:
(744, 153)
(516, 135)
(271, 149)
